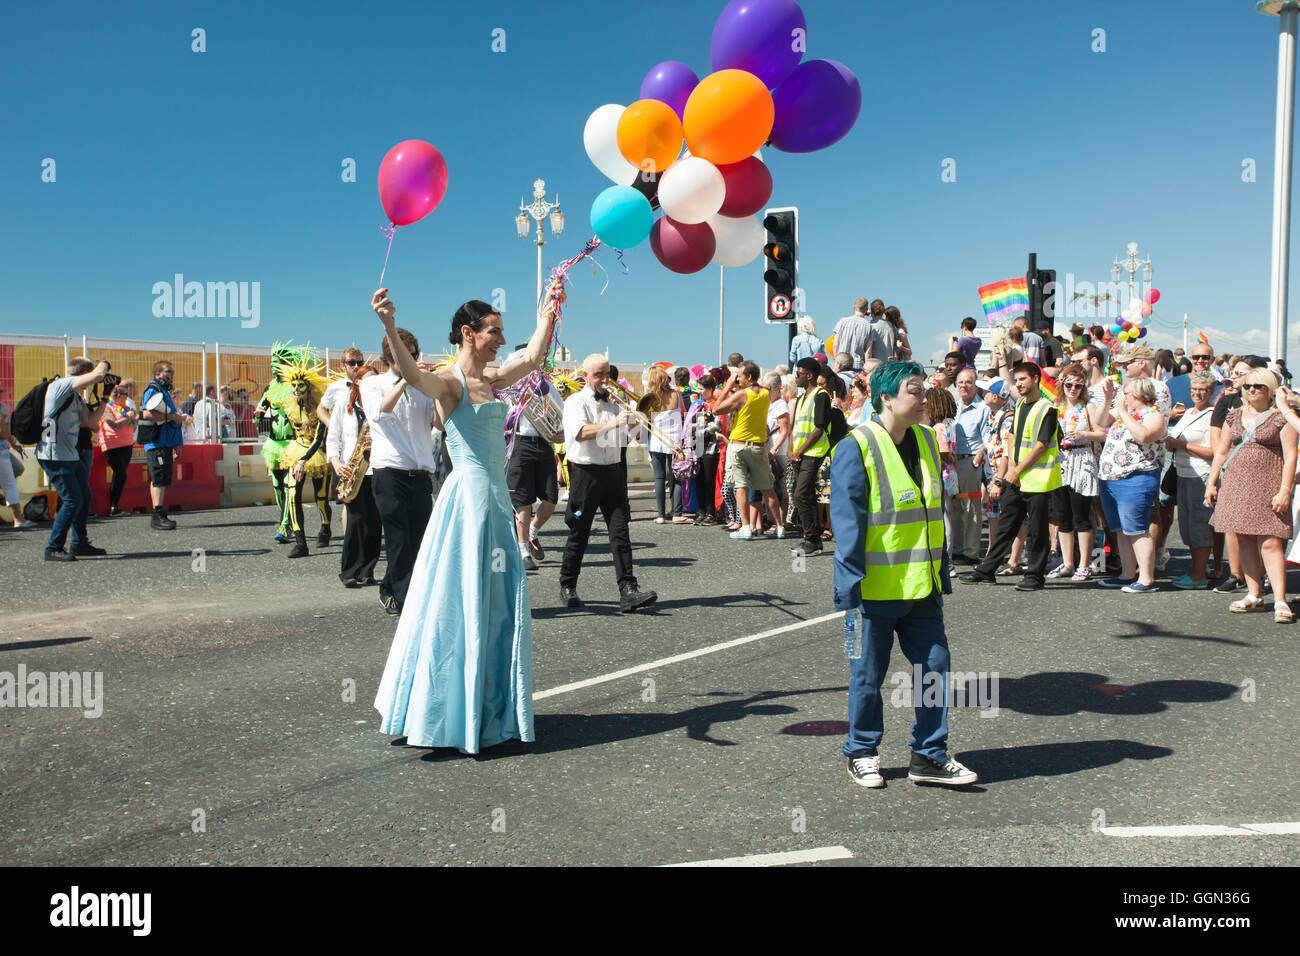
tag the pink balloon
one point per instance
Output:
(749, 187)
(1146, 310)
(681, 247)
(1153, 296)
(412, 181)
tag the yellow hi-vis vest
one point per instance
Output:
(1044, 474)
(803, 424)
(904, 523)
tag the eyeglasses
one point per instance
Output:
(1202, 358)
(1253, 386)
(1074, 385)
(354, 362)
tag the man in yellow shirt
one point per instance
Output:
(747, 461)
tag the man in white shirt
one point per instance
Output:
(852, 334)
(595, 430)
(401, 454)
(338, 391)
(363, 529)
(530, 476)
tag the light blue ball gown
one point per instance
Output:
(460, 671)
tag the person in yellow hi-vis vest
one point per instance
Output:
(891, 571)
(1027, 474)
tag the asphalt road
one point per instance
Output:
(237, 725)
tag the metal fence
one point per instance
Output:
(243, 370)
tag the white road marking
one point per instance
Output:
(678, 658)
(1202, 830)
(776, 859)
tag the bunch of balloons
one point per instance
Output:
(1128, 327)
(690, 147)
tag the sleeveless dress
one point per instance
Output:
(460, 671)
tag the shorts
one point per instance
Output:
(1193, 514)
(1071, 512)
(160, 465)
(530, 472)
(748, 466)
(1127, 502)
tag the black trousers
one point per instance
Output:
(119, 459)
(595, 488)
(1017, 508)
(706, 485)
(361, 539)
(805, 499)
(404, 501)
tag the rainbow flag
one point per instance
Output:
(1202, 339)
(1010, 297)
(1049, 388)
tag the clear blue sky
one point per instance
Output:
(225, 165)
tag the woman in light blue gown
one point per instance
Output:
(459, 673)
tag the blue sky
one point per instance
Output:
(225, 165)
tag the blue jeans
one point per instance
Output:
(921, 636)
(71, 482)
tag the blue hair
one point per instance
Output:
(887, 377)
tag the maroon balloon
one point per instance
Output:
(670, 82)
(749, 187)
(681, 247)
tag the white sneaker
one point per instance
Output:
(530, 564)
(744, 534)
(865, 772)
(779, 532)
(1162, 559)
(24, 525)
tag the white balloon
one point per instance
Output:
(739, 240)
(600, 137)
(692, 190)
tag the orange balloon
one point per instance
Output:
(650, 135)
(830, 346)
(728, 116)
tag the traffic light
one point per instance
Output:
(781, 268)
(1042, 299)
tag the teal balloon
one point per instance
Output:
(621, 217)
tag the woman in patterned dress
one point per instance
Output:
(1256, 455)
(1129, 470)
(1072, 503)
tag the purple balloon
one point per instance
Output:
(763, 37)
(670, 82)
(815, 107)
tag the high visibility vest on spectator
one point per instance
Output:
(1044, 474)
(803, 424)
(904, 551)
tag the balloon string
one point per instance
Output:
(389, 231)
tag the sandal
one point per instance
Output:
(1008, 570)
(659, 520)
(1249, 603)
(1061, 571)
(1083, 574)
(827, 536)
(1281, 616)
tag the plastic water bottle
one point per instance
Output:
(853, 633)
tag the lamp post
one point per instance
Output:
(538, 210)
(1131, 264)
(1286, 11)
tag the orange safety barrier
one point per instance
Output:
(195, 482)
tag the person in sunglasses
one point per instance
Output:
(1256, 454)
(1229, 399)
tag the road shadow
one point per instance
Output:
(51, 642)
(1063, 693)
(1005, 764)
(746, 601)
(1146, 629)
(557, 733)
(209, 552)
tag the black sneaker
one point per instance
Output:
(865, 772)
(116, 513)
(1229, 584)
(323, 539)
(633, 599)
(58, 554)
(976, 577)
(806, 550)
(160, 521)
(952, 774)
(569, 597)
(88, 550)
(351, 583)
(535, 547)
(1030, 584)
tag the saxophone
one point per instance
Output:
(359, 462)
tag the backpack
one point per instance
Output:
(28, 420)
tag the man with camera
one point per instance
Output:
(65, 415)
(161, 436)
